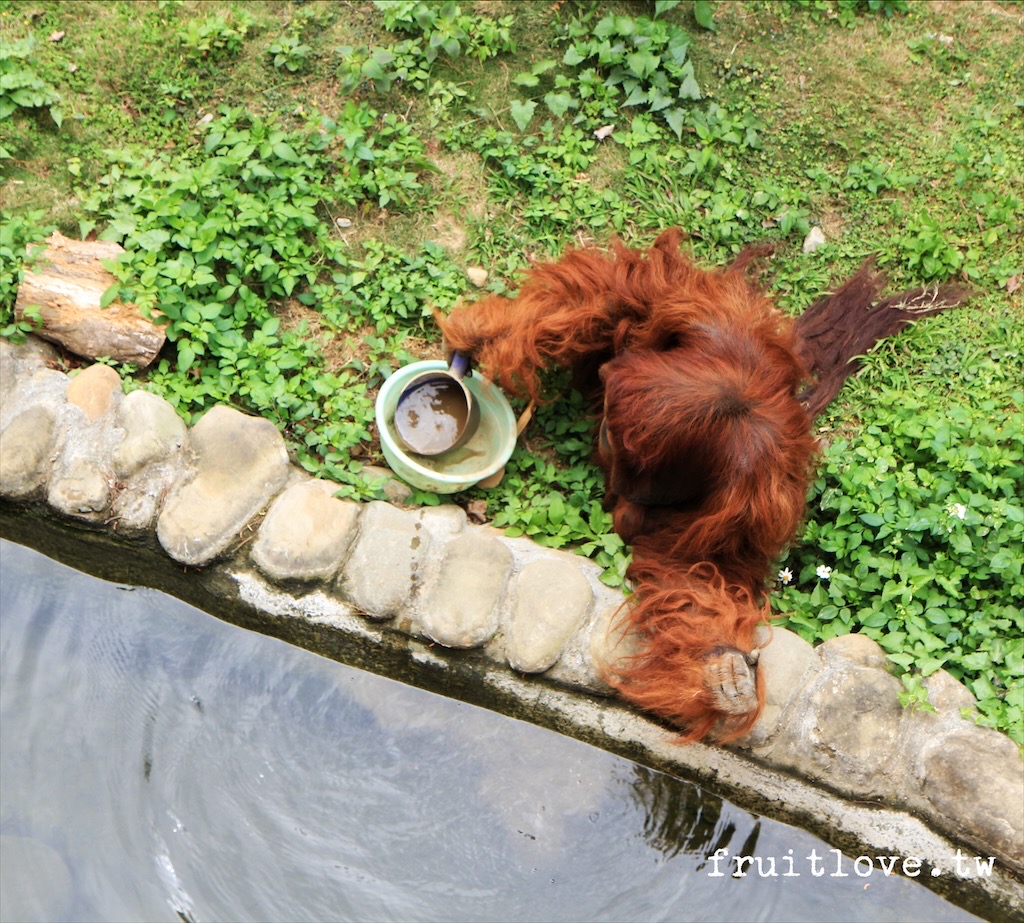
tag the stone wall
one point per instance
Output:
(218, 515)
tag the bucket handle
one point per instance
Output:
(460, 365)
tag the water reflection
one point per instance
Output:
(156, 764)
(681, 818)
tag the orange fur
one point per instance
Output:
(679, 618)
(705, 444)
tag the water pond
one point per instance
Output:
(158, 764)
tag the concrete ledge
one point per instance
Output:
(423, 596)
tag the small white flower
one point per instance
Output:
(824, 571)
(785, 575)
(957, 509)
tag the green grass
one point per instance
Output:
(297, 184)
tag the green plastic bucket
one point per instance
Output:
(485, 454)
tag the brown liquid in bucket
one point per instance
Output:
(431, 418)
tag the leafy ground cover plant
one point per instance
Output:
(439, 29)
(298, 185)
(915, 541)
(21, 87)
(845, 12)
(289, 51)
(19, 244)
(220, 239)
(214, 37)
(645, 58)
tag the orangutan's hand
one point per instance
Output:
(730, 676)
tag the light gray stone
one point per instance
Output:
(575, 666)
(147, 461)
(306, 533)
(85, 493)
(18, 361)
(552, 598)
(610, 641)
(814, 240)
(785, 662)
(854, 648)
(461, 609)
(383, 571)
(37, 353)
(82, 482)
(949, 701)
(8, 368)
(135, 507)
(240, 464)
(445, 521)
(947, 695)
(852, 733)
(395, 491)
(25, 447)
(153, 431)
(35, 386)
(975, 777)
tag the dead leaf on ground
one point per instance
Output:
(1012, 284)
(57, 36)
(476, 510)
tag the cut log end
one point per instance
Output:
(66, 284)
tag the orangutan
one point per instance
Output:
(707, 394)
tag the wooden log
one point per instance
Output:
(66, 284)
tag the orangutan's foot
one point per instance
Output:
(729, 675)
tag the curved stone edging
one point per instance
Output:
(833, 751)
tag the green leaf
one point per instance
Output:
(875, 620)
(556, 509)
(285, 152)
(689, 88)
(559, 103)
(152, 240)
(704, 13)
(186, 357)
(663, 6)
(374, 67)
(572, 57)
(637, 95)
(110, 295)
(676, 119)
(526, 79)
(522, 112)
(643, 63)
(659, 100)
(1006, 563)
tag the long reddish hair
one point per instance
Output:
(705, 440)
